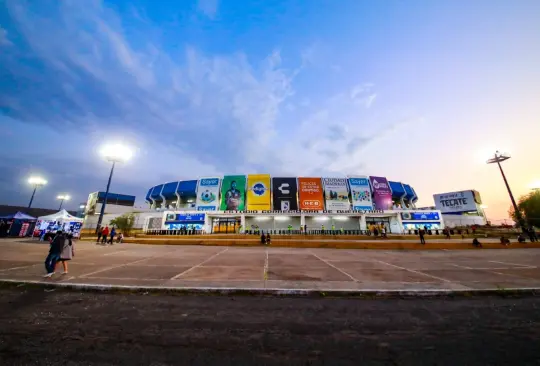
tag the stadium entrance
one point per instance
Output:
(226, 225)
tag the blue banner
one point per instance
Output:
(185, 218)
(420, 216)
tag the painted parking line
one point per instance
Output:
(200, 264)
(413, 271)
(513, 264)
(331, 265)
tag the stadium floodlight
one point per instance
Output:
(36, 182)
(535, 186)
(115, 153)
(62, 198)
(498, 158)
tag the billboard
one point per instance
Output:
(361, 193)
(258, 192)
(233, 193)
(336, 194)
(420, 216)
(284, 191)
(453, 202)
(310, 194)
(382, 194)
(207, 194)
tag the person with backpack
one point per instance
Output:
(57, 245)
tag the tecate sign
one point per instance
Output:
(452, 202)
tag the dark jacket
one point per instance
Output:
(58, 244)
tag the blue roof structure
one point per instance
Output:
(398, 191)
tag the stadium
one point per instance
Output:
(240, 203)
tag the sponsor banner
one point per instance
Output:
(336, 194)
(421, 216)
(258, 192)
(284, 191)
(310, 194)
(197, 217)
(233, 192)
(382, 194)
(207, 194)
(452, 202)
(361, 193)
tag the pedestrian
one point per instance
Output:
(421, 233)
(375, 231)
(104, 235)
(55, 250)
(68, 252)
(99, 233)
(476, 243)
(447, 233)
(383, 232)
(532, 234)
(268, 239)
(113, 234)
(120, 238)
(305, 229)
(263, 239)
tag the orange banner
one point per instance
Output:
(310, 194)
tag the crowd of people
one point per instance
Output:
(106, 236)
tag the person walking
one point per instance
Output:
(268, 239)
(68, 252)
(55, 250)
(99, 234)
(263, 239)
(113, 234)
(421, 233)
(104, 235)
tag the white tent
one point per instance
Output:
(60, 220)
(62, 216)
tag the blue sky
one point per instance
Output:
(417, 91)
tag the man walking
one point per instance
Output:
(113, 234)
(54, 253)
(421, 233)
(105, 234)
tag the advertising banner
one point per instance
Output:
(361, 193)
(207, 194)
(233, 193)
(422, 216)
(284, 191)
(188, 217)
(382, 194)
(310, 194)
(453, 202)
(336, 194)
(258, 192)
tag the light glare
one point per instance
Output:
(37, 181)
(116, 152)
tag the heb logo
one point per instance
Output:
(258, 189)
(312, 203)
(210, 182)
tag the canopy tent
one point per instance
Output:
(18, 224)
(18, 216)
(61, 215)
(62, 220)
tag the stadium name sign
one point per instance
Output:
(361, 212)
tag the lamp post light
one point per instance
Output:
(115, 153)
(499, 158)
(62, 198)
(36, 182)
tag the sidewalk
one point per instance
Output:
(276, 270)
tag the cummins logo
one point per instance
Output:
(284, 188)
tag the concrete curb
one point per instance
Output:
(231, 291)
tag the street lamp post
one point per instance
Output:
(36, 182)
(62, 198)
(499, 158)
(114, 153)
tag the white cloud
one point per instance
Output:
(4, 40)
(208, 7)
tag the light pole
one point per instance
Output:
(62, 198)
(115, 153)
(498, 158)
(36, 182)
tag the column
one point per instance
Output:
(363, 225)
(207, 224)
(243, 222)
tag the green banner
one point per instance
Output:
(233, 193)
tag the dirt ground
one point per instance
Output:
(44, 327)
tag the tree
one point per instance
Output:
(124, 223)
(529, 206)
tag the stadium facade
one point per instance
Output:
(234, 203)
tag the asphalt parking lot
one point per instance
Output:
(277, 268)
